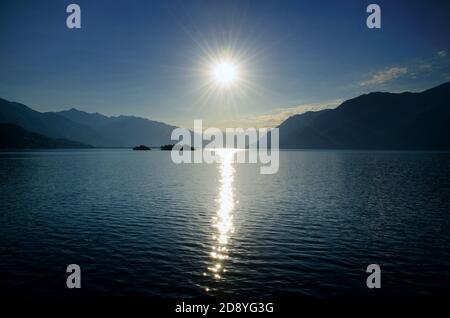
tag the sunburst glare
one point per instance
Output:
(225, 73)
(228, 78)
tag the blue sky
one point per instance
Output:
(150, 58)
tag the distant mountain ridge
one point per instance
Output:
(47, 124)
(375, 121)
(122, 131)
(88, 128)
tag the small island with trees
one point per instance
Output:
(142, 147)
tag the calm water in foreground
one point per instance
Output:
(139, 225)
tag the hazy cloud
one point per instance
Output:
(442, 53)
(425, 67)
(385, 76)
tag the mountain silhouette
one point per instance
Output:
(371, 121)
(15, 137)
(375, 121)
(122, 131)
(88, 128)
(48, 124)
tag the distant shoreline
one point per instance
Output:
(157, 148)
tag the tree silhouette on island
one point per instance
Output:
(142, 147)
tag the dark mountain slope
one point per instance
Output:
(15, 137)
(49, 124)
(375, 121)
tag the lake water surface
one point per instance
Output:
(140, 225)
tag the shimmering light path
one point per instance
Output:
(223, 220)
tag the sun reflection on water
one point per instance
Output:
(223, 220)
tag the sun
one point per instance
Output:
(225, 73)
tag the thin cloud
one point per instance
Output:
(385, 76)
(425, 67)
(442, 53)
